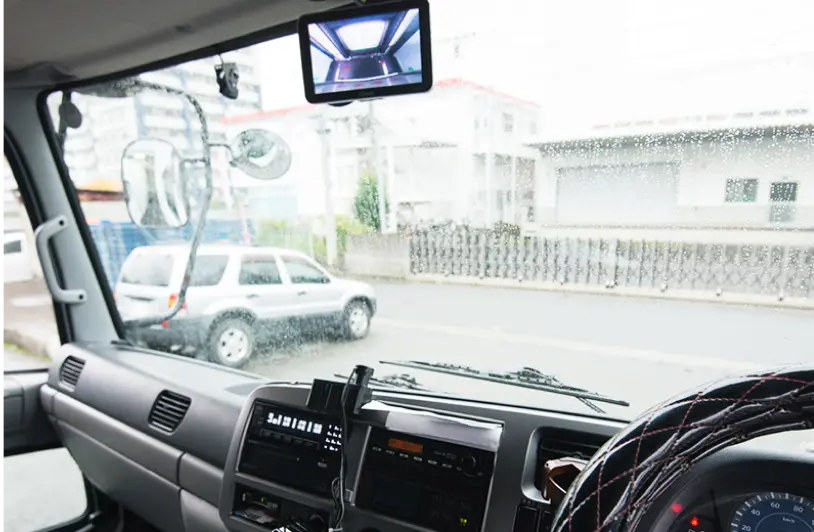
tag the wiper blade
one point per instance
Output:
(525, 378)
(402, 381)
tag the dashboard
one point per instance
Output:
(195, 447)
(738, 491)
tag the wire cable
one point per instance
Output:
(338, 485)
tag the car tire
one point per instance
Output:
(356, 320)
(232, 342)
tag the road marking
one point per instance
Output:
(630, 353)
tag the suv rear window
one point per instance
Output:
(148, 269)
(15, 246)
(208, 270)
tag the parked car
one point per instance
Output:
(237, 296)
(17, 260)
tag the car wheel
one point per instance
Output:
(232, 342)
(357, 320)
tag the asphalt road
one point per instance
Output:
(640, 350)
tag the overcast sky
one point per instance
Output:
(604, 60)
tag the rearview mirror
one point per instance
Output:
(260, 154)
(154, 191)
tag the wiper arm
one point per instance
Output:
(402, 381)
(525, 378)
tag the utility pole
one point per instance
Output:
(330, 222)
(381, 187)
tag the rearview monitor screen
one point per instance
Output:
(366, 52)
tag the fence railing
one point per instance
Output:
(766, 269)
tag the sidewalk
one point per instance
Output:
(28, 320)
(726, 298)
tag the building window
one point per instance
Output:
(508, 122)
(741, 191)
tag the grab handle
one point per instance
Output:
(42, 236)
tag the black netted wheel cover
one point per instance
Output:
(628, 474)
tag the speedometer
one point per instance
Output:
(774, 512)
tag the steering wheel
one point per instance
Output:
(626, 477)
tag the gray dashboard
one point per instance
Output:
(184, 479)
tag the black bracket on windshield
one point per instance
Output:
(227, 76)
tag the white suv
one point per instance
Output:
(235, 295)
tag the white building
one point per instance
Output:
(456, 153)
(746, 170)
(94, 151)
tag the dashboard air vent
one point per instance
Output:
(568, 444)
(70, 371)
(168, 411)
(559, 443)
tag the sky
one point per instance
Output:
(597, 61)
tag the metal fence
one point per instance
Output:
(765, 269)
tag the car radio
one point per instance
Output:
(434, 484)
(292, 447)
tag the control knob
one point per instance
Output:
(316, 523)
(468, 464)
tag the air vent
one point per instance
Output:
(568, 444)
(168, 411)
(70, 371)
(558, 443)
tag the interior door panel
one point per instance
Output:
(25, 425)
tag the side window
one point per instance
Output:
(13, 246)
(148, 269)
(28, 320)
(259, 271)
(208, 270)
(303, 272)
(741, 191)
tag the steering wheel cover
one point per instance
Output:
(627, 475)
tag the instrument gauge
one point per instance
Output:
(773, 512)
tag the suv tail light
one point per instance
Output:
(173, 299)
(171, 303)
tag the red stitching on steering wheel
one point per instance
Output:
(734, 410)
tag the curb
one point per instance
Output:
(45, 346)
(729, 298)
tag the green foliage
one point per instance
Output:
(276, 233)
(507, 229)
(366, 204)
(344, 226)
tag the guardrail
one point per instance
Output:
(767, 269)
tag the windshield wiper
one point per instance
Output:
(402, 381)
(526, 378)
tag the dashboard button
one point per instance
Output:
(525, 520)
(469, 463)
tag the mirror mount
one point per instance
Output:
(130, 87)
(258, 153)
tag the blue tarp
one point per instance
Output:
(114, 241)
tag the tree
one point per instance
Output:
(366, 204)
